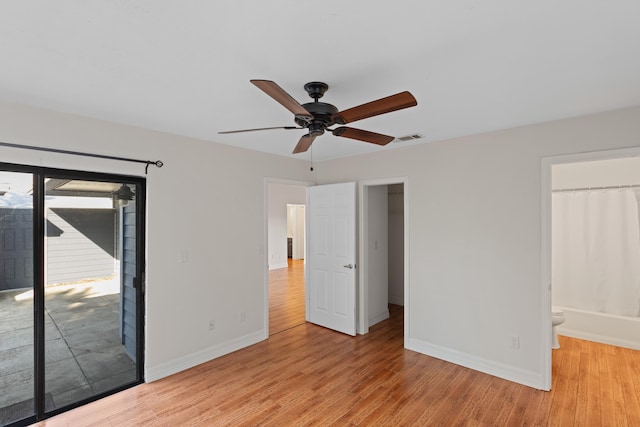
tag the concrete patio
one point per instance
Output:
(84, 355)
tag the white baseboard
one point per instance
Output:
(396, 300)
(378, 318)
(162, 370)
(277, 266)
(500, 370)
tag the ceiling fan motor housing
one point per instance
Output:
(323, 117)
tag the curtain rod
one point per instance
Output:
(610, 187)
(157, 163)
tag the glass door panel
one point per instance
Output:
(17, 387)
(90, 299)
(70, 304)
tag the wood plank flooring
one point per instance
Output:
(309, 375)
(595, 384)
(286, 297)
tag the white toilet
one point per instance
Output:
(557, 318)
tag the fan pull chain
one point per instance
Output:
(311, 152)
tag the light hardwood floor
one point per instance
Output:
(286, 297)
(309, 375)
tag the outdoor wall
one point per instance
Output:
(128, 277)
(475, 235)
(81, 244)
(16, 248)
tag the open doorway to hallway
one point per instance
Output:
(286, 253)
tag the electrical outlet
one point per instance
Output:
(515, 341)
(212, 325)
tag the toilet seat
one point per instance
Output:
(557, 318)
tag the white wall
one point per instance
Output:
(208, 199)
(474, 224)
(475, 267)
(599, 173)
(298, 231)
(279, 195)
(378, 254)
(396, 244)
(290, 219)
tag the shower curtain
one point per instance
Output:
(596, 251)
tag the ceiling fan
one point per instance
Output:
(317, 117)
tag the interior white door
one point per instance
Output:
(332, 255)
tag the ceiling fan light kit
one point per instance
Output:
(317, 117)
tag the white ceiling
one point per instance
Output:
(184, 66)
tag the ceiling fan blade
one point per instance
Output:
(363, 135)
(383, 105)
(304, 144)
(276, 92)
(253, 130)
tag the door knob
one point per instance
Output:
(348, 266)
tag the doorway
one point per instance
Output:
(285, 281)
(383, 252)
(548, 166)
(596, 250)
(398, 294)
(71, 318)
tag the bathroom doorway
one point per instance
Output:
(596, 173)
(595, 250)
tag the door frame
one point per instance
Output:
(39, 266)
(363, 222)
(545, 246)
(263, 248)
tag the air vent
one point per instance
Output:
(408, 137)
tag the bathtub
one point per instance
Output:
(620, 331)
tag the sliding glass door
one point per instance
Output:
(86, 290)
(17, 343)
